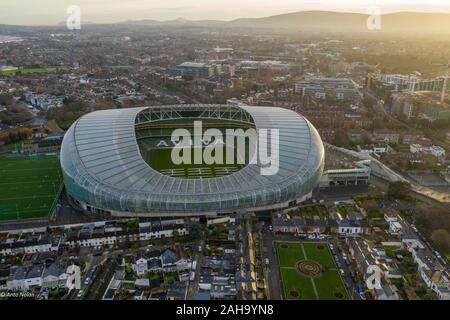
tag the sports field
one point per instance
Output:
(32, 70)
(28, 186)
(308, 272)
(156, 148)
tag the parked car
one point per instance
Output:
(342, 272)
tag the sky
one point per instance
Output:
(50, 12)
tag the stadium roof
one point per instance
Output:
(103, 166)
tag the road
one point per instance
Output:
(273, 270)
(245, 229)
(339, 249)
(193, 285)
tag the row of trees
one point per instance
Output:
(15, 135)
(434, 221)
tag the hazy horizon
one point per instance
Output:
(51, 12)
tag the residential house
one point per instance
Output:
(34, 276)
(55, 276)
(140, 267)
(16, 280)
(169, 260)
(386, 136)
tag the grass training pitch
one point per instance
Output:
(28, 186)
(308, 272)
(32, 70)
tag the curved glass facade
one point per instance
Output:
(103, 167)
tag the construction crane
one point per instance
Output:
(444, 86)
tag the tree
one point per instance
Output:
(399, 190)
(133, 224)
(194, 230)
(370, 205)
(441, 239)
(430, 218)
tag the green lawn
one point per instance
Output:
(320, 253)
(31, 70)
(28, 186)
(327, 285)
(290, 255)
(293, 282)
(311, 211)
(161, 160)
(156, 147)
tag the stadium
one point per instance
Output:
(119, 161)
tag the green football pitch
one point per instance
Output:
(28, 186)
(157, 149)
(308, 272)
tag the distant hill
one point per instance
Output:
(406, 22)
(411, 22)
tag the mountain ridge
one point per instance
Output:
(399, 21)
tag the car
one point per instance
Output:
(80, 294)
(311, 237)
(267, 262)
(270, 228)
(342, 272)
(331, 246)
(87, 280)
(338, 264)
(362, 295)
(344, 256)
